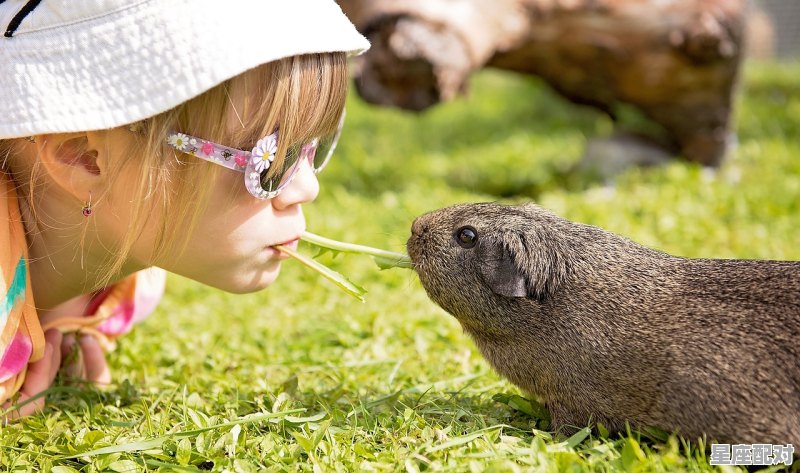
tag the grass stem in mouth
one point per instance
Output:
(338, 279)
(384, 259)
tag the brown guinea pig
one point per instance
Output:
(605, 330)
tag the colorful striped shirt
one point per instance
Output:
(111, 312)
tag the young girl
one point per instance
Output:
(138, 136)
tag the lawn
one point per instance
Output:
(303, 377)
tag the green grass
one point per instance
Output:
(393, 384)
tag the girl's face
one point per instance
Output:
(231, 246)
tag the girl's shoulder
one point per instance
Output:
(127, 302)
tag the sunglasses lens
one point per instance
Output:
(274, 179)
(326, 146)
(324, 151)
(267, 183)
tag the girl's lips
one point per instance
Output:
(292, 245)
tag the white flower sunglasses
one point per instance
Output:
(256, 163)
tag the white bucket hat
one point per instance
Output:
(69, 65)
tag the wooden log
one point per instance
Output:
(676, 61)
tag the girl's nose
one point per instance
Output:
(304, 188)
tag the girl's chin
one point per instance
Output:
(254, 282)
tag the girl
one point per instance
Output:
(138, 136)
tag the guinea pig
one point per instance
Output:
(604, 330)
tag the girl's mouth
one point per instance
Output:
(291, 244)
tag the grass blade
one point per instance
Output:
(338, 279)
(156, 442)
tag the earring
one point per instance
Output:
(87, 208)
(32, 139)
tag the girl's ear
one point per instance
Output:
(75, 162)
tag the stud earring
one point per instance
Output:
(87, 208)
(32, 139)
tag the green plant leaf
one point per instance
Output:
(63, 469)
(156, 442)
(183, 454)
(338, 279)
(124, 466)
(578, 437)
(384, 259)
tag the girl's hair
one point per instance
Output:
(302, 96)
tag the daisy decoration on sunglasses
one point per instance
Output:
(264, 153)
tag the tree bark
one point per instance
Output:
(676, 61)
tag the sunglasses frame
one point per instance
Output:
(252, 163)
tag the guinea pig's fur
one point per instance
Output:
(605, 330)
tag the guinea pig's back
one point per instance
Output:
(735, 340)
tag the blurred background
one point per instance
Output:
(781, 30)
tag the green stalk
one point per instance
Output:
(338, 279)
(384, 259)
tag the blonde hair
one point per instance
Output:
(302, 96)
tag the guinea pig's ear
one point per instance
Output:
(499, 270)
(522, 265)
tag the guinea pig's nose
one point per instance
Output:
(418, 227)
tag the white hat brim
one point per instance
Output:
(119, 68)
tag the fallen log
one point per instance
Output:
(676, 61)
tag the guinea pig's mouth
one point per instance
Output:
(415, 246)
(417, 242)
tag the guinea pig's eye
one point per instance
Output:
(466, 237)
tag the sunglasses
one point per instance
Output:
(261, 178)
